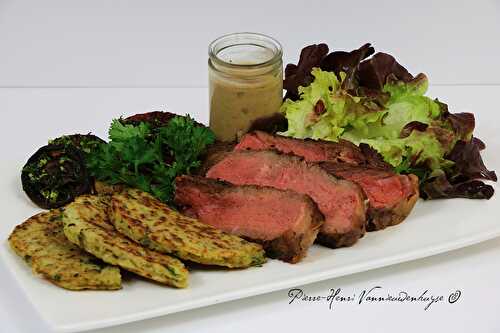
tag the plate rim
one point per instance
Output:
(372, 264)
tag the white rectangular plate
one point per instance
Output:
(433, 227)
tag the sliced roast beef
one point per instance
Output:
(213, 155)
(284, 222)
(391, 196)
(310, 150)
(315, 150)
(342, 202)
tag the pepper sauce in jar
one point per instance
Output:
(245, 82)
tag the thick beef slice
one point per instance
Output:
(284, 222)
(391, 196)
(214, 154)
(310, 150)
(342, 202)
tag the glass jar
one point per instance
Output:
(245, 82)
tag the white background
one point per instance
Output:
(145, 44)
(164, 43)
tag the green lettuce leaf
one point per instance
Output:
(421, 148)
(375, 102)
(358, 120)
(340, 110)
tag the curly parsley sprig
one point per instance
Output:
(150, 158)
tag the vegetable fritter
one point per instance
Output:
(153, 224)
(40, 241)
(87, 225)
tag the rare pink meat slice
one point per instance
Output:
(286, 223)
(391, 196)
(310, 150)
(213, 154)
(342, 202)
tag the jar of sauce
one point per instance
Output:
(245, 82)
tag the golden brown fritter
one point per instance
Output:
(151, 223)
(87, 225)
(40, 241)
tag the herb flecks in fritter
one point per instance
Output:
(86, 224)
(41, 242)
(153, 224)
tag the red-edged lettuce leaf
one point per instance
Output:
(375, 72)
(347, 62)
(468, 161)
(374, 78)
(462, 180)
(316, 55)
(462, 123)
(300, 74)
(441, 188)
(413, 126)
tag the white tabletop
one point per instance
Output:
(150, 44)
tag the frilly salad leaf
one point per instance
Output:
(346, 62)
(377, 102)
(300, 74)
(381, 68)
(461, 180)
